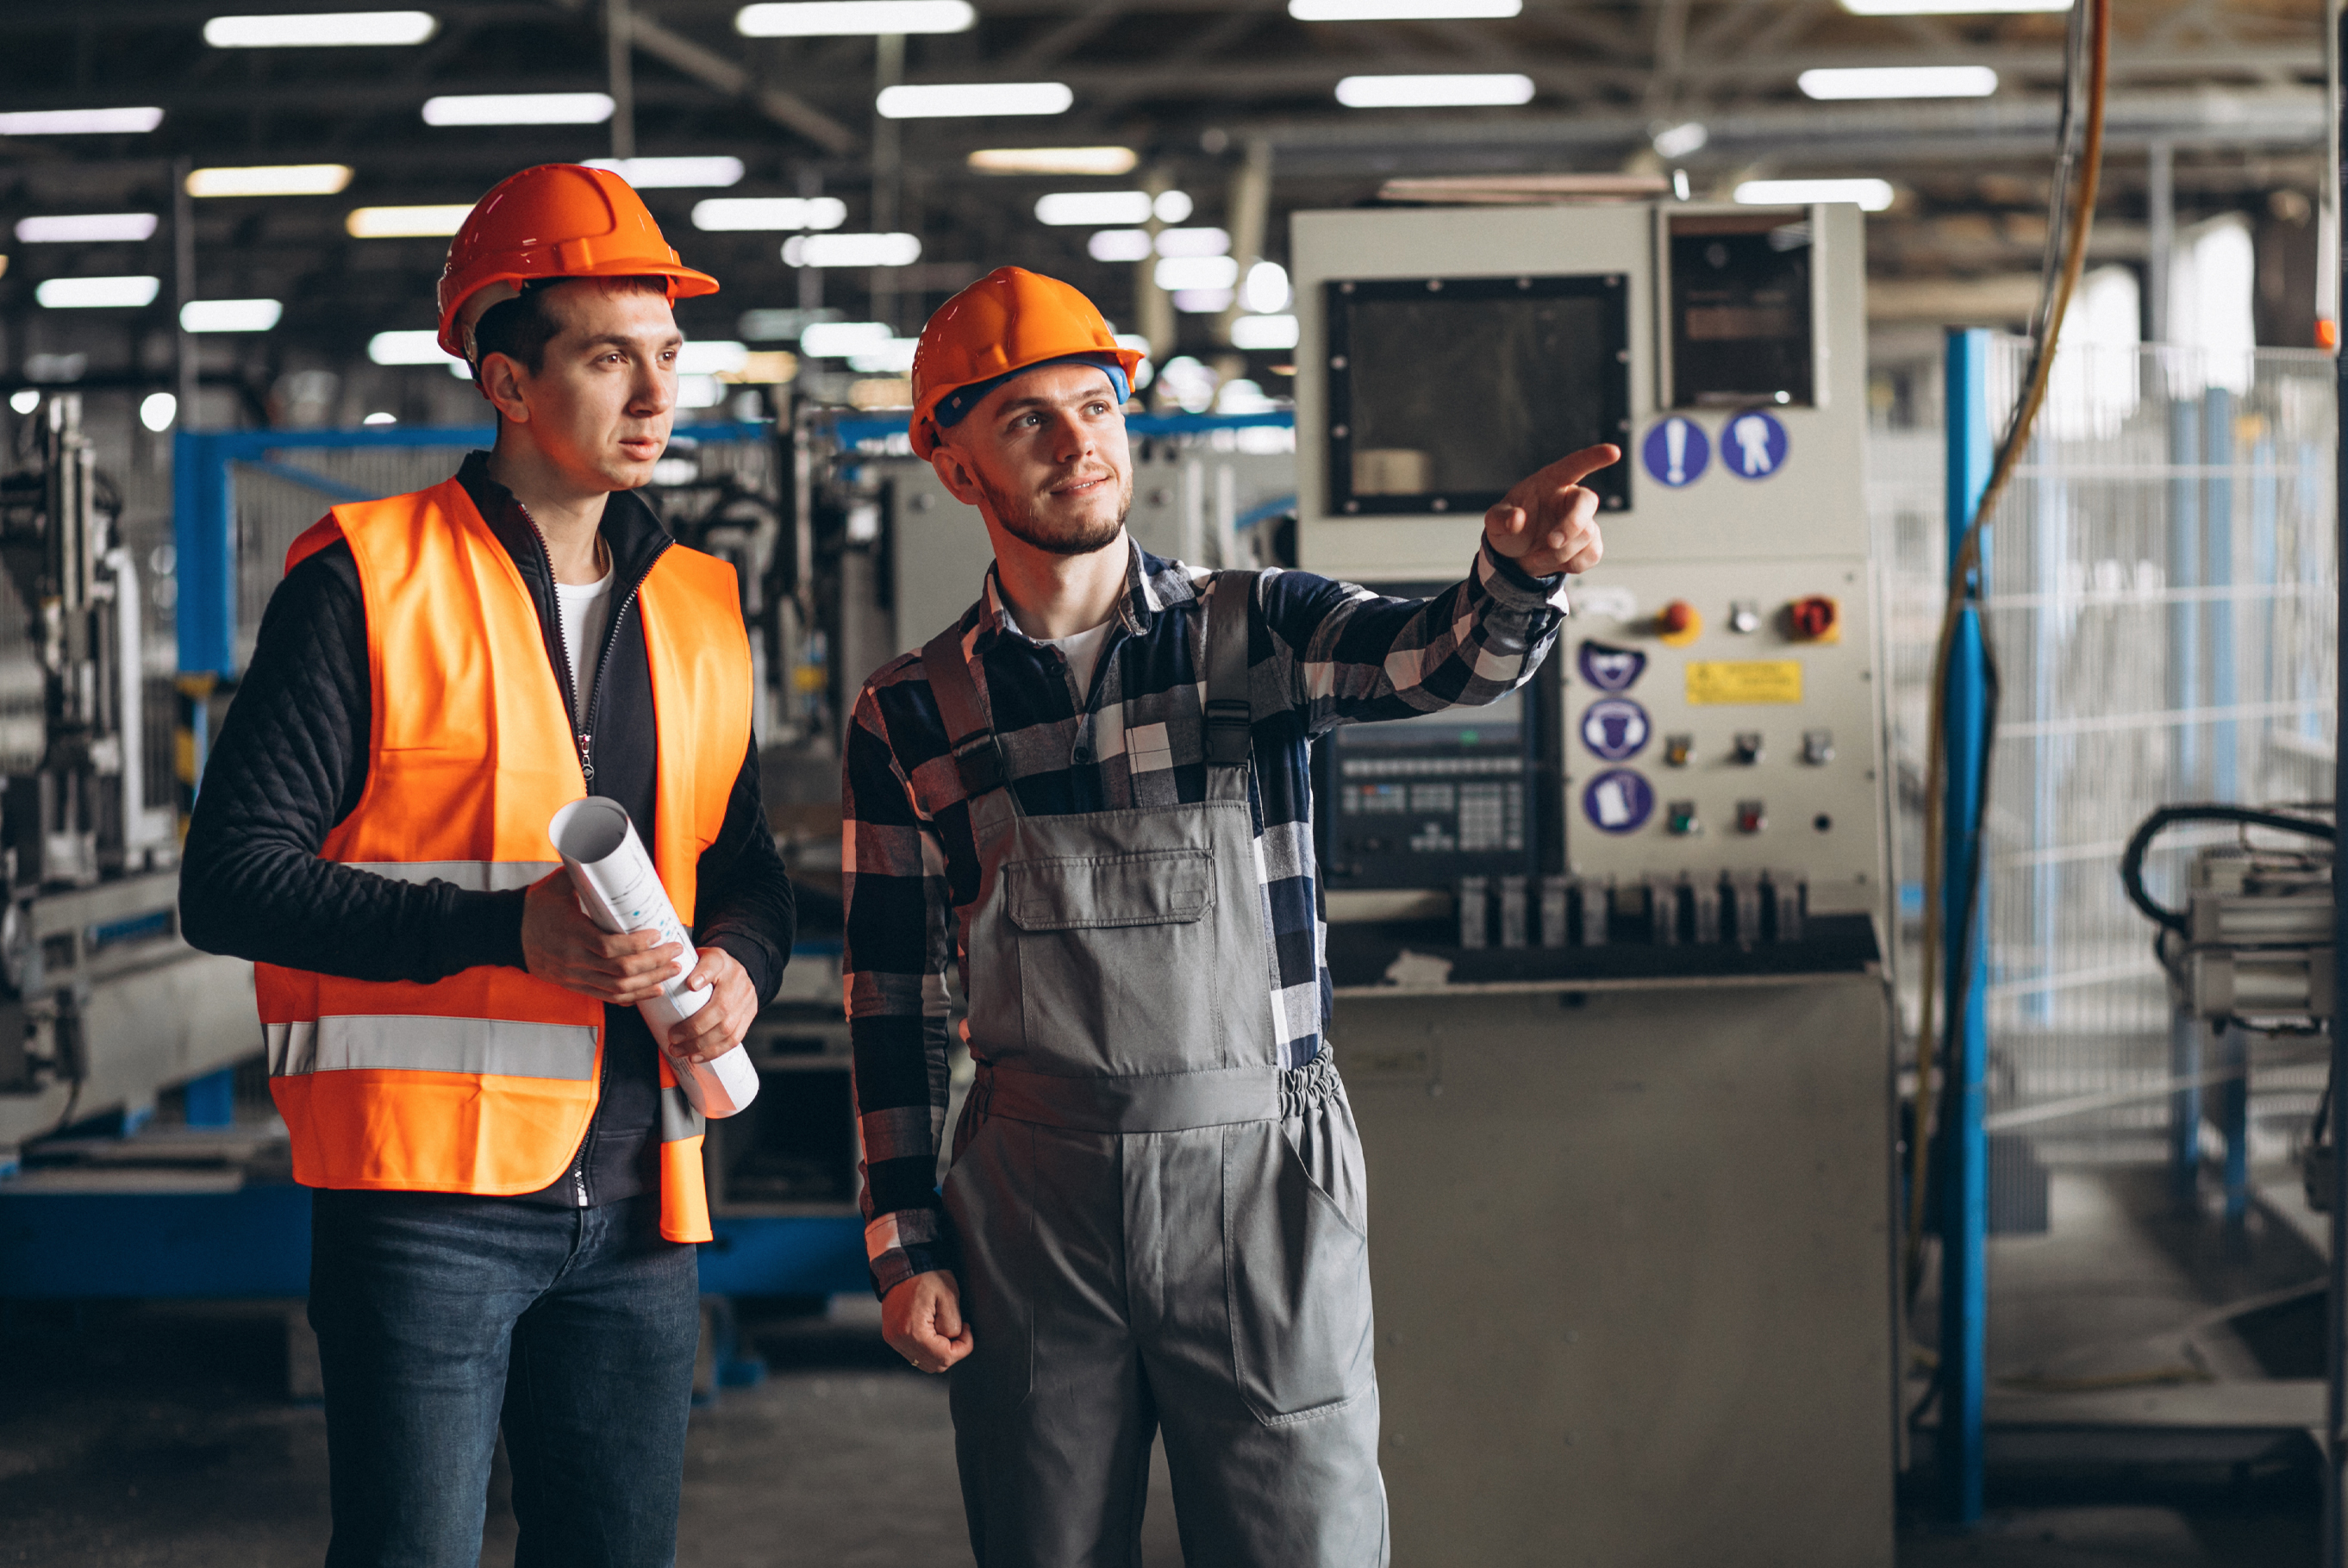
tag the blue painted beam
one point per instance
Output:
(212, 1099)
(785, 1255)
(255, 1242)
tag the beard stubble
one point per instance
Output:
(1017, 516)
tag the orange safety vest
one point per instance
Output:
(484, 1082)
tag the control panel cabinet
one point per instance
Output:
(1711, 770)
(1628, 1120)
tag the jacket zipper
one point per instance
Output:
(585, 738)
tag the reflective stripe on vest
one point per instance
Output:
(473, 876)
(485, 1081)
(404, 1042)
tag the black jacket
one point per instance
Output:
(291, 761)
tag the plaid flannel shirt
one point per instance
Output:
(1322, 654)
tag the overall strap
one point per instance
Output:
(976, 752)
(1231, 618)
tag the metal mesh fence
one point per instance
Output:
(2160, 608)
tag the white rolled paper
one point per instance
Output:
(622, 893)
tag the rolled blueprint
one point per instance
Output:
(622, 893)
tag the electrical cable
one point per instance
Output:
(2140, 842)
(2086, 75)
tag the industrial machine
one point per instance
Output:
(1611, 1003)
(101, 1004)
(2250, 954)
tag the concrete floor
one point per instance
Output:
(137, 1434)
(152, 1434)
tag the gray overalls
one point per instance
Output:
(1159, 1227)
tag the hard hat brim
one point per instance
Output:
(683, 283)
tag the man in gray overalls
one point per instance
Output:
(1094, 792)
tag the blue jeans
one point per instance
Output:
(442, 1318)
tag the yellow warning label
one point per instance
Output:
(1721, 683)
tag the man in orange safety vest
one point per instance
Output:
(507, 1180)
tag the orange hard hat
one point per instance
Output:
(1009, 320)
(556, 220)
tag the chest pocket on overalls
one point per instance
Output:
(1117, 958)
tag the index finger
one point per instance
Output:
(1573, 469)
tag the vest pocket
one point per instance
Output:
(1297, 1282)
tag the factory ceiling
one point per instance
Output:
(2228, 93)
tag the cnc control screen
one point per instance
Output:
(1420, 802)
(1444, 392)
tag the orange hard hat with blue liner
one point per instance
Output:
(1010, 320)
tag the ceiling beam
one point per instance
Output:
(785, 108)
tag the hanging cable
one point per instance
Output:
(2086, 74)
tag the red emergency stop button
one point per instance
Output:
(1679, 623)
(1816, 619)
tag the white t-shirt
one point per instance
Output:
(586, 617)
(1083, 652)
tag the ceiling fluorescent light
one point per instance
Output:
(1679, 140)
(519, 108)
(80, 122)
(1264, 332)
(1092, 209)
(1874, 195)
(724, 214)
(966, 100)
(416, 347)
(1119, 245)
(853, 250)
(86, 229)
(1898, 82)
(1401, 10)
(713, 356)
(405, 223)
(99, 293)
(1109, 160)
(839, 18)
(1266, 290)
(320, 30)
(674, 173)
(1193, 242)
(838, 339)
(1434, 92)
(271, 180)
(1177, 272)
(230, 314)
(1951, 7)
(894, 358)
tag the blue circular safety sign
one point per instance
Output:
(1614, 728)
(1676, 452)
(1752, 445)
(1618, 802)
(1609, 668)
